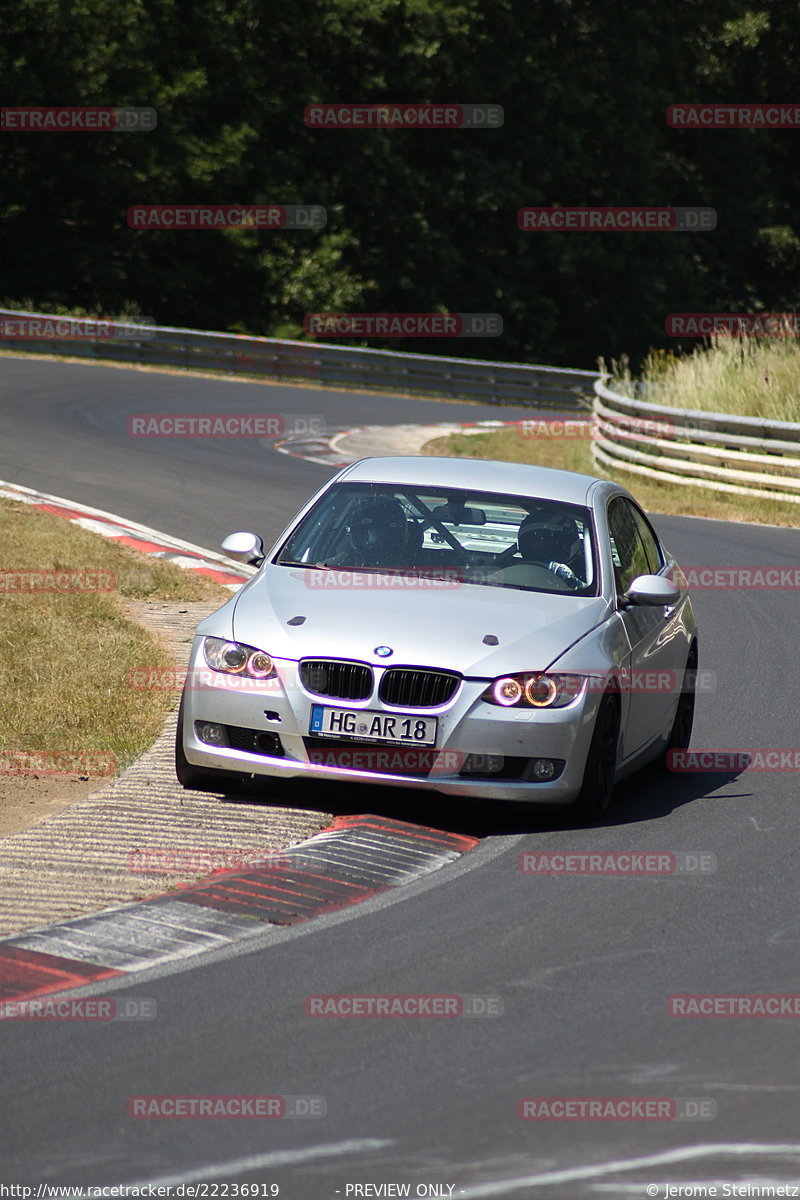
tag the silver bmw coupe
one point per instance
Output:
(483, 629)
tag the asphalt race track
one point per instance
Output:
(583, 966)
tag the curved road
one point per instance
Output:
(583, 966)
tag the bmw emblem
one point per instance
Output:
(383, 651)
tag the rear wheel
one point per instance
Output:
(681, 732)
(594, 799)
(201, 779)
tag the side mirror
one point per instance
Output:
(653, 590)
(244, 547)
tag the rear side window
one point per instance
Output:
(652, 546)
(627, 548)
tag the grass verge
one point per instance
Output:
(756, 377)
(67, 647)
(574, 454)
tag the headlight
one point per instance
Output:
(506, 692)
(535, 690)
(235, 659)
(541, 691)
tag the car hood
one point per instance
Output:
(424, 625)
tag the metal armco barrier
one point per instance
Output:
(722, 452)
(337, 366)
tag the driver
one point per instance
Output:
(551, 548)
(381, 534)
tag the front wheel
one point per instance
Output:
(201, 779)
(594, 799)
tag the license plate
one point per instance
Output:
(368, 725)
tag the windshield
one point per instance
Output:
(481, 538)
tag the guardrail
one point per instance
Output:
(338, 366)
(721, 452)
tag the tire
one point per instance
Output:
(201, 779)
(681, 732)
(594, 799)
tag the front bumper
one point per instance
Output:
(466, 727)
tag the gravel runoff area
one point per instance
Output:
(91, 855)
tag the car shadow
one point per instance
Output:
(648, 795)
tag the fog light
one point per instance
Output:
(213, 734)
(543, 769)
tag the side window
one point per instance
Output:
(627, 549)
(652, 547)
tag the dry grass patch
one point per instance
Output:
(66, 655)
(750, 376)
